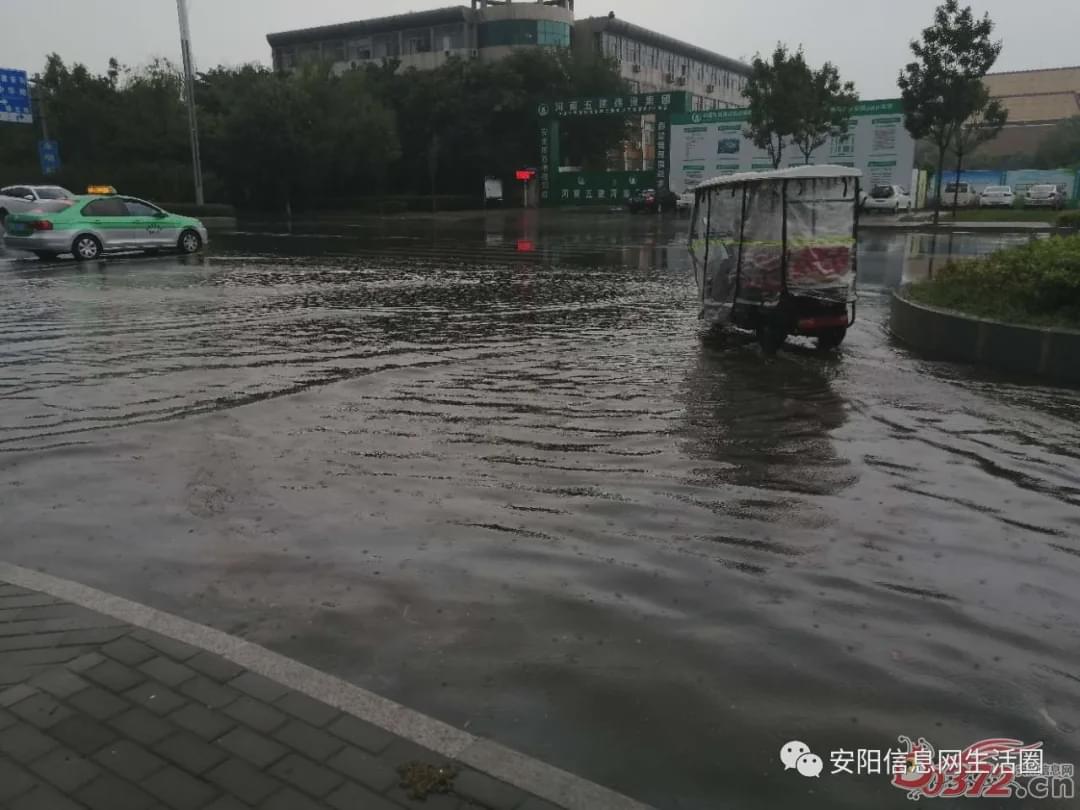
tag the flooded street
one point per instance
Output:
(486, 467)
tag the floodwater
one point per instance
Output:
(487, 467)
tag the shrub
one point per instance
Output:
(1036, 283)
(1069, 219)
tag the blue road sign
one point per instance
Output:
(15, 97)
(49, 154)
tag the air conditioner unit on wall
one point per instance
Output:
(710, 88)
(681, 81)
(669, 78)
(636, 68)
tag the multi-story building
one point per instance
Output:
(1037, 101)
(488, 30)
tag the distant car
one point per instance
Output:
(92, 225)
(16, 199)
(650, 201)
(685, 203)
(962, 194)
(1045, 196)
(887, 198)
(997, 197)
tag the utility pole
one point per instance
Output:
(189, 92)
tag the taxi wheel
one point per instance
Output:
(3, 216)
(190, 242)
(86, 248)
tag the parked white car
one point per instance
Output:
(20, 199)
(887, 198)
(963, 195)
(685, 203)
(997, 197)
(1045, 196)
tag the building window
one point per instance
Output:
(553, 34)
(417, 40)
(385, 46)
(286, 59)
(506, 33)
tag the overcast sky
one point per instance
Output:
(866, 38)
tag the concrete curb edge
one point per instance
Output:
(528, 774)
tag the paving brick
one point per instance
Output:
(155, 697)
(13, 781)
(167, 671)
(179, 790)
(92, 636)
(111, 675)
(258, 687)
(29, 600)
(7, 719)
(257, 749)
(400, 752)
(362, 767)
(109, 793)
(238, 778)
(354, 797)
(304, 774)
(290, 800)
(209, 693)
(98, 703)
(260, 716)
(533, 803)
(434, 801)
(214, 666)
(190, 753)
(84, 734)
(14, 590)
(201, 721)
(489, 792)
(229, 803)
(37, 659)
(128, 651)
(59, 682)
(24, 743)
(358, 732)
(41, 710)
(42, 626)
(129, 760)
(308, 740)
(65, 770)
(306, 709)
(176, 650)
(30, 642)
(85, 662)
(43, 798)
(9, 697)
(141, 725)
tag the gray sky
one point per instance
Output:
(866, 38)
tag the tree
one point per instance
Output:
(987, 119)
(826, 108)
(939, 86)
(1061, 149)
(775, 95)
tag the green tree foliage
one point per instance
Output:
(939, 88)
(313, 138)
(1061, 149)
(825, 109)
(988, 117)
(793, 104)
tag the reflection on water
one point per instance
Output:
(487, 467)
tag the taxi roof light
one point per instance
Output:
(103, 190)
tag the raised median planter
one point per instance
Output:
(949, 335)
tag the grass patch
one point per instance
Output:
(1037, 283)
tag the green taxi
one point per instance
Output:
(102, 221)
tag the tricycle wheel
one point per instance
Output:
(831, 338)
(771, 334)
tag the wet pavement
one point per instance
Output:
(486, 467)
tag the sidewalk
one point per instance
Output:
(98, 713)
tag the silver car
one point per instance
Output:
(1045, 196)
(17, 199)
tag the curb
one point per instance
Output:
(949, 335)
(523, 772)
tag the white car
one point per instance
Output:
(19, 199)
(963, 195)
(685, 203)
(997, 197)
(1045, 196)
(887, 198)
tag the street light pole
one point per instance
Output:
(189, 93)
